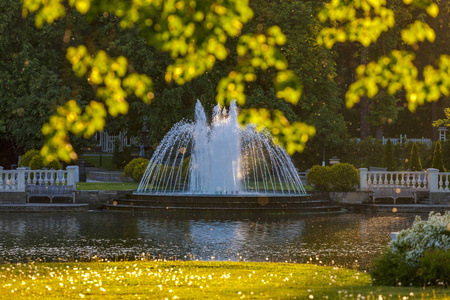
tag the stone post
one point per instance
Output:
(71, 176)
(363, 179)
(433, 180)
(76, 173)
(21, 179)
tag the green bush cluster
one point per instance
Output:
(136, 168)
(438, 162)
(414, 162)
(341, 177)
(419, 256)
(35, 161)
(27, 157)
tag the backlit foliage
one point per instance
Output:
(364, 21)
(194, 33)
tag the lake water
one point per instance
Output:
(342, 239)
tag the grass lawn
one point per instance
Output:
(195, 280)
(107, 186)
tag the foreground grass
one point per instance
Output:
(107, 186)
(194, 280)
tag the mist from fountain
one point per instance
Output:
(220, 158)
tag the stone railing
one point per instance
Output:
(16, 180)
(430, 180)
(444, 182)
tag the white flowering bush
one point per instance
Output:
(418, 256)
(432, 234)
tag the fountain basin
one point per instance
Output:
(222, 203)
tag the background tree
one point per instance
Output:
(438, 163)
(414, 161)
(195, 35)
(388, 157)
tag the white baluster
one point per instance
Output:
(1, 181)
(447, 182)
(13, 181)
(440, 183)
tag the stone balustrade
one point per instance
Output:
(16, 180)
(444, 182)
(429, 180)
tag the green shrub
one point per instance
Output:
(435, 267)
(185, 167)
(343, 177)
(139, 170)
(446, 153)
(27, 157)
(130, 167)
(414, 162)
(391, 269)
(338, 178)
(37, 163)
(438, 163)
(318, 176)
(420, 255)
(55, 165)
(388, 157)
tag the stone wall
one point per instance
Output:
(13, 197)
(98, 197)
(351, 197)
(440, 199)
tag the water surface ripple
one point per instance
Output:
(343, 239)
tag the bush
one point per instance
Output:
(37, 163)
(438, 163)
(318, 176)
(435, 267)
(414, 162)
(131, 166)
(338, 178)
(139, 170)
(418, 256)
(446, 153)
(27, 157)
(388, 157)
(344, 177)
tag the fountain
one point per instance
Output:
(220, 158)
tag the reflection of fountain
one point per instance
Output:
(221, 158)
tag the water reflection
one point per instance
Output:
(342, 239)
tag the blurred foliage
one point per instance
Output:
(193, 33)
(364, 21)
(443, 122)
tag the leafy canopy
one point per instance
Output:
(194, 33)
(363, 21)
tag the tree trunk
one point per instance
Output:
(365, 127)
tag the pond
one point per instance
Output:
(349, 239)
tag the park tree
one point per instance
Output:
(195, 35)
(414, 161)
(388, 157)
(438, 163)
